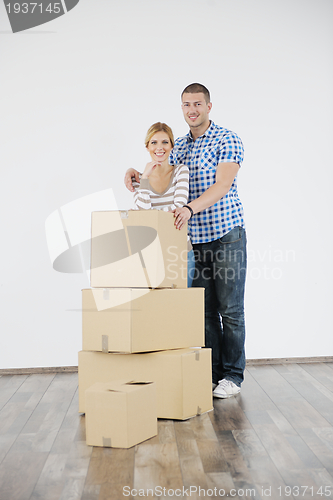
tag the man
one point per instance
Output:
(216, 226)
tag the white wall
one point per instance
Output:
(77, 96)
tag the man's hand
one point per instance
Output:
(182, 215)
(131, 172)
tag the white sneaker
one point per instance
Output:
(226, 389)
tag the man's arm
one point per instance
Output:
(225, 174)
(131, 172)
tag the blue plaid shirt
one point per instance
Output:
(216, 145)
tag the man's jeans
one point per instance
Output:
(220, 268)
(190, 268)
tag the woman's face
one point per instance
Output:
(159, 146)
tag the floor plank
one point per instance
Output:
(270, 441)
(68, 461)
(322, 372)
(19, 407)
(157, 466)
(265, 476)
(19, 473)
(9, 384)
(313, 391)
(228, 415)
(252, 396)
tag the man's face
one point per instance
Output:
(196, 109)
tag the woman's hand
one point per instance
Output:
(182, 215)
(131, 172)
(149, 168)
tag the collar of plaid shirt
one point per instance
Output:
(208, 132)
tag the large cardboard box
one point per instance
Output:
(137, 248)
(120, 414)
(124, 320)
(183, 377)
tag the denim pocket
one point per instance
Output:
(233, 236)
(231, 250)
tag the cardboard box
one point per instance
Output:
(183, 377)
(120, 414)
(124, 320)
(137, 248)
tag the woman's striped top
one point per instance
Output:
(175, 195)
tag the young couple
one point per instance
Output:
(196, 177)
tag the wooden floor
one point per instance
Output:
(274, 440)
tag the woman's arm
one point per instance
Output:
(182, 187)
(130, 173)
(142, 199)
(142, 188)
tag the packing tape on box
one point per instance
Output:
(124, 214)
(107, 442)
(197, 356)
(105, 343)
(198, 410)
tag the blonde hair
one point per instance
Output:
(159, 127)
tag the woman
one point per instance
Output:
(163, 186)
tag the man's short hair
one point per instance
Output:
(195, 88)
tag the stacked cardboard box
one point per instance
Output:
(140, 321)
(120, 414)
